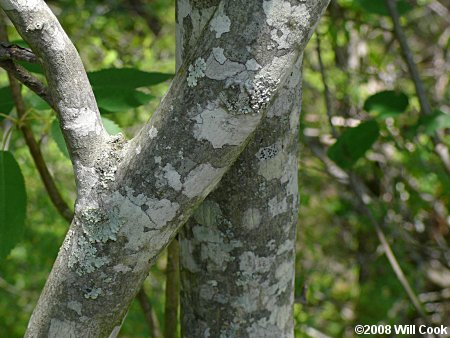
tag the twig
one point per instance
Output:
(325, 87)
(138, 6)
(359, 190)
(407, 55)
(439, 147)
(10, 51)
(33, 146)
(27, 79)
(149, 313)
(355, 183)
(172, 291)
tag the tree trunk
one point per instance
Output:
(134, 196)
(238, 250)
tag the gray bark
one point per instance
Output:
(133, 196)
(238, 250)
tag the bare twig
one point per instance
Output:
(439, 147)
(359, 189)
(172, 291)
(149, 313)
(407, 55)
(328, 102)
(32, 145)
(355, 185)
(27, 79)
(153, 22)
(15, 52)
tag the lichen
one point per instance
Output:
(219, 55)
(282, 16)
(83, 256)
(262, 91)
(98, 226)
(196, 71)
(251, 218)
(75, 306)
(208, 213)
(252, 65)
(172, 177)
(93, 293)
(215, 248)
(277, 207)
(221, 128)
(221, 22)
(201, 180)
(267, 153)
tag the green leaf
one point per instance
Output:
(115, 100)
(125, 78)
(13, 203)
(31, 67)
(379, 7)
(353, 144)
(429, 124)
(59, 138)
(6, 101)
(111, 127)
(36, 102)
(115, 88)
(387, 103)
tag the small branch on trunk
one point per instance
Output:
(149, 313)
(15, 52)
(172, 291)
(27, 79)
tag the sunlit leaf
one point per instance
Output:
(111, 127)
(353, 144)
(387, 103)
(13, 203)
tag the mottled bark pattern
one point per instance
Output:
(237, 251)
(133, 196)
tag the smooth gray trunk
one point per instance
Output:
(238, 250)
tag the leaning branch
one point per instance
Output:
(68, 84)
